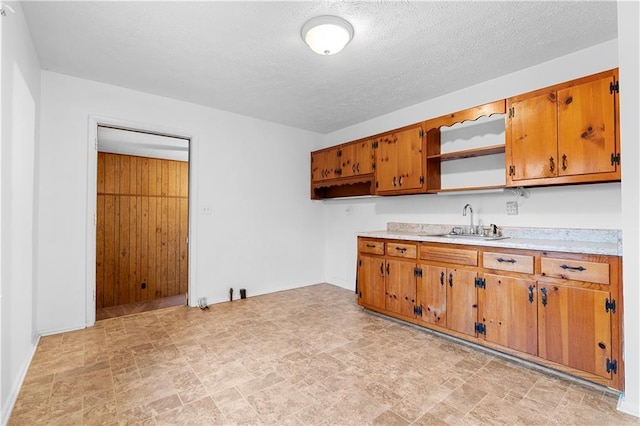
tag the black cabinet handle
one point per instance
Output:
(382, 269)
(552, 165)
(531, 294)
(388, 273)
(450, 279)
(501, 260)
(394, 182)
(544, 296)
(564, 162)
(573, 268)
(441, 278)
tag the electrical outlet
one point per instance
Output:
(512, 208)
(206, 210)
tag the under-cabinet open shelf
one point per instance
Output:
(469, 153)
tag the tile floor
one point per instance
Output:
(306, 356)
(136, 308)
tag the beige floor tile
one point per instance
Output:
(308, 356)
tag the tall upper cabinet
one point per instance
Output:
(564, 134)
(400, 161)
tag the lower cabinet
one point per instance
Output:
(574, 328)
(371, 276)
(400, 287)
(556, 309)
(507, 312)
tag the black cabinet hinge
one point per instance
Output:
(610, 305)
(512, 112)
(480, 328)
(614, 87)
(417, 310)
(481, 282)
(421, 133)
(421, 180)
(417, 272)
(376, 184)
(339, 153)
(512, 170)
(612, 366)
(615, 158)
(359, 262)
(374, 145)
(360, 295)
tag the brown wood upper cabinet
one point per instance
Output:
(325, 164)
(400, 163)
(564, 134)
(356, 158)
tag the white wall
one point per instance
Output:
(629, 52)
(264, 234)
(20, 109)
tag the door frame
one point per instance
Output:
(92, 201)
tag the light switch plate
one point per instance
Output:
(512, 208)
(206, 210)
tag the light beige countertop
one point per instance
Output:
(589, 241)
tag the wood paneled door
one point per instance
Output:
(142, 229)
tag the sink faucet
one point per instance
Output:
(472, 229)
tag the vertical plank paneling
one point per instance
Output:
(172, 246)
(133, 283)
(110, 250)
(142, 227)
(100, 243)
(123, 251)
(164, 255)
(183, 265)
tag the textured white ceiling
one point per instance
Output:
(249, 58)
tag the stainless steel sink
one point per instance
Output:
(467, 236)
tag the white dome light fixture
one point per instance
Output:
(327, 35)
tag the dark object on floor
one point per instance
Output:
(231, 294)
(243, 293)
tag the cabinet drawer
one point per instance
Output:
(447, 255)
(402, 250)
(369, 246)
(579, 270)
(508, 262)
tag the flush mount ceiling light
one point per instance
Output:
(327, 35)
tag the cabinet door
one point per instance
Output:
(400, 290)
(462, 301)
(574, 327)
(332, 163)
(371, 277)
(387, 163)
(318, 166)
(357, 158)
(507, 307)
(364, 157)
(410, 171)
(586, 128)
(432, 294)
(532, 141)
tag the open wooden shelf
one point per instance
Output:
(469, 153)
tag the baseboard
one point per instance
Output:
(52, 331)
(628, 407)
(15, 389)
(236, 294)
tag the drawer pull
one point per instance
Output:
(401, 249)
(371, 245)
(501, 260)
(573, 268)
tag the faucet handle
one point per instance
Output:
(494, 229)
